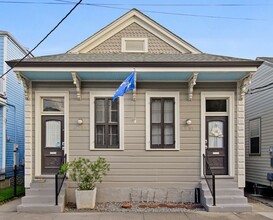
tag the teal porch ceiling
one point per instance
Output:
(141, 76)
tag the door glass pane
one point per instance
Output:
(168, 134)
(156, 111)
(113, 110)
(100, 109)
(156, 134)
(168, 111)
(53, 134)
(113, 135)
(216, 135)
(53, 104)
(216, 105)
(100, 135)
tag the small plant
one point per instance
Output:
(85, 172)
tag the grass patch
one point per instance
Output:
(8, 193)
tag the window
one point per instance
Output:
(162, 122)
(134, 45)
(54, 104)
(254, 130)
(216, 105)
(106, 121)
(162, 113)
(106, 126)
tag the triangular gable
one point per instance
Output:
(135, 17)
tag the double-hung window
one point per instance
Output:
(162, 117)
(106, 128)
(106, 121)
(162, 123)
(255, 142)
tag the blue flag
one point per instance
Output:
(127, 85)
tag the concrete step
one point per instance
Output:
(224, 192)
(229, 208)
(40, 208)
(46, 184)
(40, 199)
(226, 200)
(41, 191)
(220, 184)
(229, 198)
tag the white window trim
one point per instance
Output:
(38, 113)
(156, 94)
(250, 153)
(93, 95)
(123, 45)
(229, 96)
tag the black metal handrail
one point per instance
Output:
(59, 180)
(209, 175)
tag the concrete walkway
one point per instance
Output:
(260, 212)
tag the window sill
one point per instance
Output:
(254, 155)
(105, 149)
(162, 149)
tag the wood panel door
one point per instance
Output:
(52, 144)
(217, 143)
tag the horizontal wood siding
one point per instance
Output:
(134, 165)
(260, 105)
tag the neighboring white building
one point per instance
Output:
(259, 125)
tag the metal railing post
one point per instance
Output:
(56, 189)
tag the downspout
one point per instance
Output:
(15, 150)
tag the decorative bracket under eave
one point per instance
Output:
(77, 82)
(26, 84)
(245, 82)
(191, 84)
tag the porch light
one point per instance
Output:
(188, 121)
(80, 121)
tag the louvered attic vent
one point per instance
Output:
(134, 45)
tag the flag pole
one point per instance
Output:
(134, 95)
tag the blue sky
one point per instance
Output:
(249, 34)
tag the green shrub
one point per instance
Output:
(85, 172)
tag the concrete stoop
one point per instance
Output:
(229, 198)
(40, 198)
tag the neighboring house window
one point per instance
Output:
(106, 121)
(136, 45)
(107, 126)
(162, 113)
(255, 134)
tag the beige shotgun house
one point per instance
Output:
(187, 111)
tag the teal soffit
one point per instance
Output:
(141, 76)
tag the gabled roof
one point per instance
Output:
(135, 59)
(22, 48)
(134, 16)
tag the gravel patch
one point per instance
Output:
(137, 207)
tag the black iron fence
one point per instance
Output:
(12, 182)
(59, 180)
(209, 177)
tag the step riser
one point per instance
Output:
(224, 193)
(40, 209)
(229, 209)
(239, 201)
(41, 192)
(39, 200)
